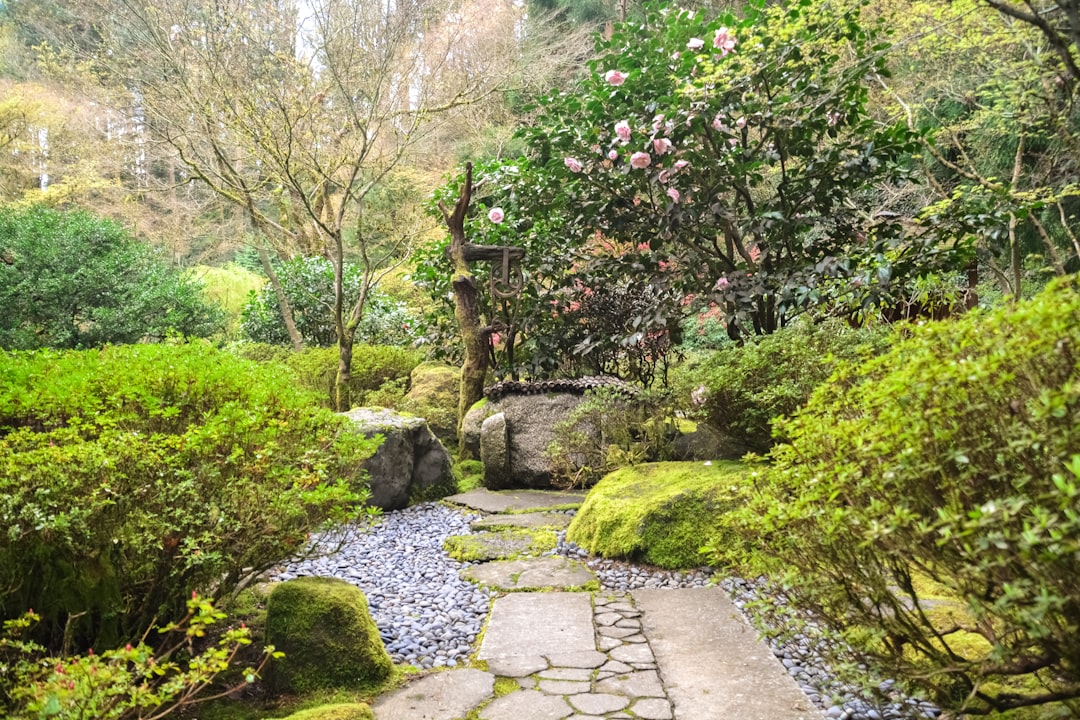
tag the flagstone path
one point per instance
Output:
(673, 654)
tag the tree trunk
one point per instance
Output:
(283, 301)
(466, 309)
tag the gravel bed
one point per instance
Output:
(427, 615)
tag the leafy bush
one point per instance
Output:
(606, 432)
(747, 386)
(129, 682)
(133, 475)
(951, 462)
(373, 366)
(309, 285)
(72, 280)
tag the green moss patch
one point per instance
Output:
(342, 711)
(659, 513)
(499, 545)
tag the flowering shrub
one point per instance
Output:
(737, 164)
(136, 681)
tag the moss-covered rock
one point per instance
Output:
(326, 632)
(659, 513)
(499, 545)
(339, 711)
(433, 395)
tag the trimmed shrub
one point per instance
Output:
(951, 462)
(661, 513)
(133, 475)
(324, 628)
(372, 367)
(748, 386)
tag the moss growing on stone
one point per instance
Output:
(505, 686)
(433, 395)
(499, 545)
(326, 632)
(341, 711)
(659, 513)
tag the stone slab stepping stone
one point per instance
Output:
(532, 574)
(564, 673)
(538, 624)
(563, 687)
(515, 500)
(639, 683)
(442, 696)
(517, 666)
(633, 654)
(578, 659)
(598, 703)
(653, 709)
(710, 658)
(523, 520)
(498, 545)
(527, 705)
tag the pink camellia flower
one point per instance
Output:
(496, 338)
(722, 283)
(622, 129)
(614, 77)
(661, 146)
(724, 41)
(673, 194)
(613, 155)
(680, 164)
(496, 215)
(640, 160)
(740, 123)
(664, 176)
(718, 123)
(657, 123)
(695, 43)
(573, 163)
(733, 142)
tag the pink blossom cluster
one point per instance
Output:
(724, 41)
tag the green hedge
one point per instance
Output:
(748, 386)
(928, 505)
(131, 476)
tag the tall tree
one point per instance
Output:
(297, 113)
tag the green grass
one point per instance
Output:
(500, 544)
(660, 513)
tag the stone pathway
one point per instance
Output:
(672, 654)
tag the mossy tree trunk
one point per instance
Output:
(466, 308)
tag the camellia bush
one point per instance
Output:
(927, 506)
(134, 475)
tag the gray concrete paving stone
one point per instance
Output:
(563, 673)
(617, 632)
(563, 687)
(531, 574)
(605, 643)
(633, 654)
(534, 624)
(527, 705)
(517, 666)
(615, 666)
(653, 709)
(577, 659)
(441, 696)
(514, 500)
(639, 684)
(522, 520)
(598, 703)
(607, 618)
(712, 659)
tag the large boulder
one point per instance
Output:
(514, 448)
(326, 632)
(434, 388)
(410, 465)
